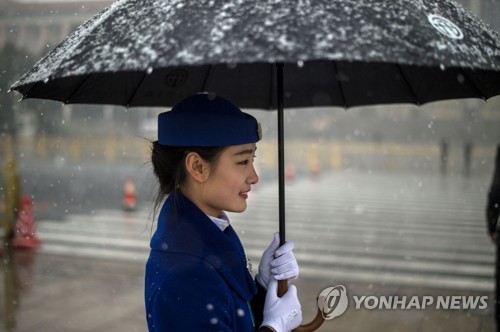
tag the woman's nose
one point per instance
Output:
(254, 177)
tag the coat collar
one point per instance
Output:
(184, 228)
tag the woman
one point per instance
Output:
(197, 275)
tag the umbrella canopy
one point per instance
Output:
(336, 52)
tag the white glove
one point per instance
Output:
(277, 263)
(282, 314)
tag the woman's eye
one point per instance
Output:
(247, 161)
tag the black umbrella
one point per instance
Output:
(267, 54)
(338, 52)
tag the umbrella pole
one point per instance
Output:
(283, 284)
(281, 154)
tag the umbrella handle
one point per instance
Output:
(312, 325)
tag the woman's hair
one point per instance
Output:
(168, 166)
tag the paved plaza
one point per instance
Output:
(378, 235)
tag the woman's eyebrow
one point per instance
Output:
(247, 151)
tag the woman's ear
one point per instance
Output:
(197, 167)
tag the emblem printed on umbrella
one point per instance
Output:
(445, 26)
(176, 78)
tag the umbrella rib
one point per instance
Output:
(25, 95)
(341, 89)
(478, 91)
(410, 88)
(77, 88)
(129, 101)
(205, 80)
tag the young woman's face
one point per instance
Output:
(230, 181)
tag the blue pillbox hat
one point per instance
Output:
(207, 120)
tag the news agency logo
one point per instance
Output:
(333, 302)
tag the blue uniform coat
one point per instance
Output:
(196, 275)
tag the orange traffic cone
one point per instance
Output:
(24, 236)
(316, 169)
(129, 197)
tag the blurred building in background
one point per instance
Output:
(38, 25)
(487, 10)
(31, 28)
